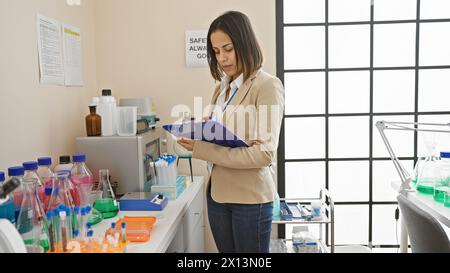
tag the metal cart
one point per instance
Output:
(327, 217)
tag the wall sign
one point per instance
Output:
(196, 53)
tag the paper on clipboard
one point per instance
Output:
(209, 131)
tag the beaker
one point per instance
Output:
(31, 223)
(107, 205)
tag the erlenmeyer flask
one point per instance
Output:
(107, 205)
(31, 222)
(429, 173)
(61, 192)
(417, 168)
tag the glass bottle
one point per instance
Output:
(93, 123)
(44, 170)
(31, 173)
(7, 209)
(64, 164)
(31, 222)
(61, 192)
(18, 173)
(82, 179)
(429, 171)
(107, 205)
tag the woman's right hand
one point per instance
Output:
(205, 118)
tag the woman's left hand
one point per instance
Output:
(188, 144)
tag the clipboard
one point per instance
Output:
(209, 131)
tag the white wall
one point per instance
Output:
(40, 120)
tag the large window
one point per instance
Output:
(347, 64)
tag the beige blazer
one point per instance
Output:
(243, 175)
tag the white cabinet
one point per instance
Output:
(189, 237)
(194, 225)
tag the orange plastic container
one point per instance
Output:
(138, 228)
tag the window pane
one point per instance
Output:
(349, 181)
(349, 46)
(384, 227)
(402, 142)
(349, 137)
(393, 91)
(434, 9)
(304, 47)
(395, 10)
(345, 85)
(442, 140)
(304, 11)
(434, 94)
(304, 179)
(384, 173)
(305, 138)
(394, 45)
(434, 44)
(349, 10)
(351, 224)
(305, 93)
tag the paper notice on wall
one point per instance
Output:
(51, 65)
(72, 55)
(196, 52)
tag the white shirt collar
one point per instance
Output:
(236, 84)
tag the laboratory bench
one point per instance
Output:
(427, 203)
(179, 227)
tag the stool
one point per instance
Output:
(188, 157)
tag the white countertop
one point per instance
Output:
(166, 225)
(426, 202)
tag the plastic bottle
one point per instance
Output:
(107, 205)
(64, 164)
(82, 179)
(31, 222)
(18, 173)
(44, 170)
(7, 209)
(107, 110)
(93, 123)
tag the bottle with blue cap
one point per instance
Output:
(44, 170)
(17, 172)
(7, 209)
(31, 173)
(82, 178)
(61, 193)
(31, 220)
(441, 192)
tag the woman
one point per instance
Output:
(241, 188)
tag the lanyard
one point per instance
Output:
(228, 102)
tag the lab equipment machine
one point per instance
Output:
(127, 158)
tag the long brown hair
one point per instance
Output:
(248, 52)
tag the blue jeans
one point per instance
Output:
(240, 228)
